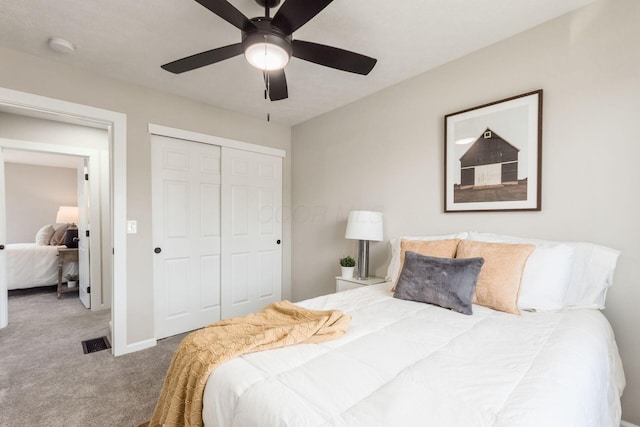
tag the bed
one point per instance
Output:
(30, 265)
(407, 363)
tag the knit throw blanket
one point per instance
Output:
(278, 325)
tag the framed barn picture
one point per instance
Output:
(492, 156)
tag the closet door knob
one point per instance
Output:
(278, 241)
(157, 250)
(1, 247)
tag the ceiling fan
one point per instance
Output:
(268, 45)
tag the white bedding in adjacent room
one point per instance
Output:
(30, 265)
(405, 363)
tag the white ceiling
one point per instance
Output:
(130, 39)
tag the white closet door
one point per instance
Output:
(186, 234)
(251, 231)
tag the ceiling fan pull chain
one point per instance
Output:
(265, 51)
(265, 75)
(267, 85)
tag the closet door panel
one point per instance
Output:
(210, 269)
(186, 234)
(251, 231)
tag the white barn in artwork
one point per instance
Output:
(488, 162)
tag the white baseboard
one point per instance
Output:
(140, 345)
(624, 423)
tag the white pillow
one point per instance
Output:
(546, 278)
(393, 270)
(591, 274)
(44, 235)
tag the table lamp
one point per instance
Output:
(69, 215)
(364, 226)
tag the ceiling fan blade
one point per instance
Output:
(228, 12)
(203, 58)
(293, 14)
(277, 85)
(333, 57)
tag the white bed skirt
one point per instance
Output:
(30, 265)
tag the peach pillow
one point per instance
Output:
(58, 236)
(434, 248)
(499, 281)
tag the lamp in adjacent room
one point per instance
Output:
(364, 226)
(69, 215)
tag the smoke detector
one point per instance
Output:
(61, 45)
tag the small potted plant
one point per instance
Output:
(72, 280)
(347, 263)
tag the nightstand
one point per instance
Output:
(343, 284)
(66, 255)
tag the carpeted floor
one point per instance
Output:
(47, 380)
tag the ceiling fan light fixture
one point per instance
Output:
(266, 56)
(266, 47)
(267, 43)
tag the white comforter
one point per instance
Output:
(30, 265)
(411, 364)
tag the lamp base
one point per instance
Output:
(363, 259)
(71, 238)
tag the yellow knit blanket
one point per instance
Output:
(277, 325)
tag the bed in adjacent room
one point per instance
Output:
(32, 265)
(552, 361)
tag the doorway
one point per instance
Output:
(45, 192)
(29, 105)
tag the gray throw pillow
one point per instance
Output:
(446, 282)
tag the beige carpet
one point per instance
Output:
(47, 380)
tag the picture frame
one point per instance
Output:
(492, 156)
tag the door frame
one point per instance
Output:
(97, 189)
(27, 104)
(4, 293)
(84, 249)
(213, 140)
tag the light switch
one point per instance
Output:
(132, 227)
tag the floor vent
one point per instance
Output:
(96, 344)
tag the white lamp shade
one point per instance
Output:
(67, 215)
(364, 225)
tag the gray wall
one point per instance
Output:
(143, 106)
(386, 152)
(33, 196)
